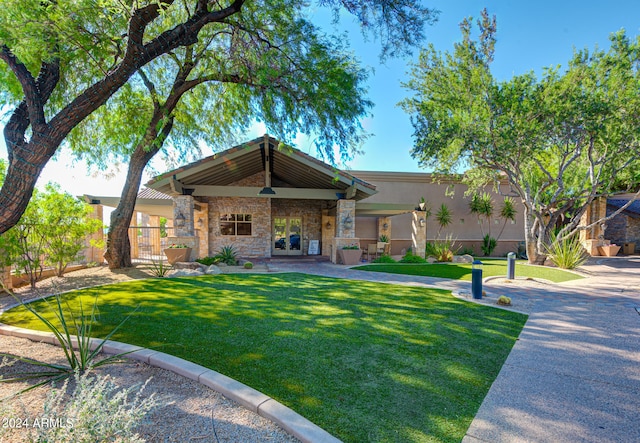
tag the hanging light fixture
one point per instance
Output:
(267, 191)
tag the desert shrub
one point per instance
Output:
(248, 265)
(384, 259)
(410, 258)
(504, 300)
(96, 410)
(567, 253)
(442, 250)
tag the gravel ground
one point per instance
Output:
(188, 411)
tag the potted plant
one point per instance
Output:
(384, 238)
(422, 204)
(350, 255)
(177, 253)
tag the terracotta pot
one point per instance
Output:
(349, 256)
(175, 255)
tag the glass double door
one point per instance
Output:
(287, 236)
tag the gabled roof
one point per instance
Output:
(287, 166)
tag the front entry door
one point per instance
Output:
(287, 236)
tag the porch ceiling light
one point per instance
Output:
(267, 191)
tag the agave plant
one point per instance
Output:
(71, 331)
(566, 253)
(228, 255)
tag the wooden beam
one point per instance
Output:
(176, 186)
(351, 190)
(252, 191)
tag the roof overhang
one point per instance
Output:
(290, 173)
(162, 207)
(382, 209)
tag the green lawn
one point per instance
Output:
(490, 268)
(366, 361)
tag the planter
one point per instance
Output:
(175, 255)
(609, 251)
(629, 248)
(350, 256)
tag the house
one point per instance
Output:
(269, 201)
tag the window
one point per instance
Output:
(235, 224)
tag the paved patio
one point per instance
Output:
(574, 373)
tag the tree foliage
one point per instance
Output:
(64, 59)
(560, 141)
(51, 233)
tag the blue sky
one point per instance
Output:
(531, 35)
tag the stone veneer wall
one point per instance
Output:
(623, 229)
(311, 213)
(258, 244)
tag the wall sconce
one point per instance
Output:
(200, 223)
(347, 222)
(385, 226)
(179, 221)
(422, 222)
(328, 225)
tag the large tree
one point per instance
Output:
(289, 76)
(560, 141)
(64, 59)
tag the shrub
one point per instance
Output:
(442, 250)
(488, 245)
(227, 255)
(410, 258)
(567, 253)
(248, 265)
(384, 238)
(208, 261)
(467, 251)
(384, 259)
(95, 411)
(504, 300)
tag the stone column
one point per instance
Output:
(345, 227)
(183, 218)
(593, 237)
(419, 233)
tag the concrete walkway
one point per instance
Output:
(574, 373)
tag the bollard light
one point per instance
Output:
(476, 279)
(511, 265)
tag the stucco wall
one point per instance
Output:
(407, 188)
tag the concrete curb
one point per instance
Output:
(263, 405)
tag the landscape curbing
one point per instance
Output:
(265, 406)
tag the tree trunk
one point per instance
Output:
(533, 254)
(118, 252)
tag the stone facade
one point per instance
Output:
(623, 229)
(258, 244)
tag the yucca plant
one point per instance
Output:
(566, 253)
(71, 331)
(159, 268)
